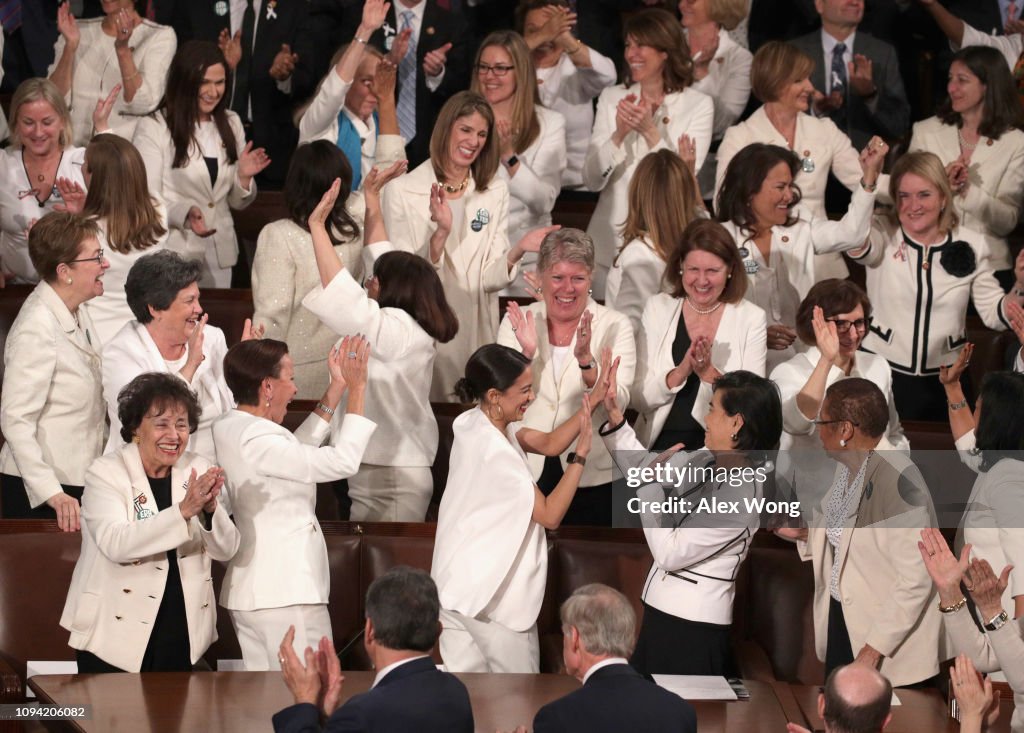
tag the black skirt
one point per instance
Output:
(671, 645)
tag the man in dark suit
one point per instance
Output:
(269, 46)
(435, 67)
(598, 628)
(858, 74)
(30, 30)
(409, 693)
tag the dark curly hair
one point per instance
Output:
(154, 390)
(155, 281)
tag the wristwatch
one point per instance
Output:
(512, 161)
(995, 624)
(574, 457)
(588, 365)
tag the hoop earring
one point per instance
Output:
(842, 442)
(490, 412)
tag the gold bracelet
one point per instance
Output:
(579, 45)
(129, 78)
(954, 608)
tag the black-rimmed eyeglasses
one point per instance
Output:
(499, 70)
(861, 324)
(98, 259)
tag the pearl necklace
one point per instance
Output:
(703, 311)
(963, 141)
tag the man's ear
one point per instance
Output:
(821, 705)
(369, 635)
(888, 719)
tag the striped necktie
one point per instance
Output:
(406, 106)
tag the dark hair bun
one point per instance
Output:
(464, 391)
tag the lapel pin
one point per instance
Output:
(272, 10)
(429, 30)
(664, 120)
(807, 163)
(482, 218)
(220, 8)
(785, 238)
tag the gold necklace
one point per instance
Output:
(456, 189)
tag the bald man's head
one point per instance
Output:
(856, 700)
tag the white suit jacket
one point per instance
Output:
(1011, 46)
(52, 408)
(489, 554)
(538, 180)
(401, 363)
(132, 352)
(96, 72)
(996, 174)
(560, 395)
(740, 343)
(183, 188)
(271, 488)
(887, 596)
(608, 169)
(635, 276)
(121, 573)
(472, 269)
(919, 318)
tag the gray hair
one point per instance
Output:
(566, 245)
(404, 609)
(604, 619)
(156, 279)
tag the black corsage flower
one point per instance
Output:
(958, 259)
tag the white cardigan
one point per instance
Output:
(740, 343)
(559, 396)
(473, 267)
(271, 488)
(121, 573)
(401, 364)
(133, 352)
(52, 404)
(919, 319)
(96, 72)
(608, 168)
(183, 188)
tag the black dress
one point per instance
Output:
(168, 649)
(680, 426)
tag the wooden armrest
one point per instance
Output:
(12, 683)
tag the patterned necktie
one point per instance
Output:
(839, 70)
(406, 107)
(10, 15)
(1011, 11)
(240, 100)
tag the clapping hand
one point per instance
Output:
(524, 327)
(957, 173)
(231, 47)
(433, 61)
(101, 112)
(319, 681)
(1015, 315)
(973, 692)
(399, 47)
(201, 492)
(688, 152)
(859, 72)
(440, 212)
(284, 63)
(584, 332)
(950, 374)
(608, 380)
(942, 565)
(985, 588)
(249, 333)
(557, 20)
(506, 138)
(251, 161)
(72, 194)
(700, 353)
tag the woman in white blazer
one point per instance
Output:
(168, 334)
(531, 138)
(280, 575)
(404, 314)
(453, 211)
(759, 205)
(141, 597)
(94, 55)
(650, 112)
(663, 200)
(976, 137)
(689, 592)
(354, 106)
(721, 67)
(284, 270)
(570, 75)
(198, 162)
(490, 552)
(131, 222)
(51, 412)
(780, 76)
(691, 335)
(564, 335)
(922, 271)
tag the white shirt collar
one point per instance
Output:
(393, 666)
(417, 12)
(828, 42)
(604, 663)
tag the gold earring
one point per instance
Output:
(501, 412)
(136, 439)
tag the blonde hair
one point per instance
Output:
(728, 13)
(462, 105)
(525, 124)
(927, 166)
(35, 90)
(662, 202)
(775, 65)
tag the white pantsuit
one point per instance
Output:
(121, 572)
(473, 267)
(188, 186)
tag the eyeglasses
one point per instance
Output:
(861, 324)
(98, 259)
(499, 70)
(833, 422)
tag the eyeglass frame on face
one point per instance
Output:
(98, 259)
(861, 324)
(854, 423)
(500, 71)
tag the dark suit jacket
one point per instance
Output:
(272, 126)
(438, 28)
(28, 52)
(888, 114)
(414, 698)
(616, 698)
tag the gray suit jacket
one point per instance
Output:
(887, 114)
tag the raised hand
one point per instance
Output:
(101, 112)
(950, 374)
(195, 342)
(399, 47)
(73, 195)
(859, 72)
(355, 354)
(125, 23)
(375, 12)
(826, 337)
(586, 428)
(231, 47)
(376, 179)
(67, 26)
(688, 152)
(197, 223)
(532, 240)
(942, 565)
(433, 61)
(440, 212)
(251, 161)
(1015, 315)
(318, 216)
(284, 63)
(385, 79)
(303, 680)
(524, 328)
(974, 694)
(249, 333)
(506, 138)
(533, 284)
(584, 333)
(985, 588)
(872, 158)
